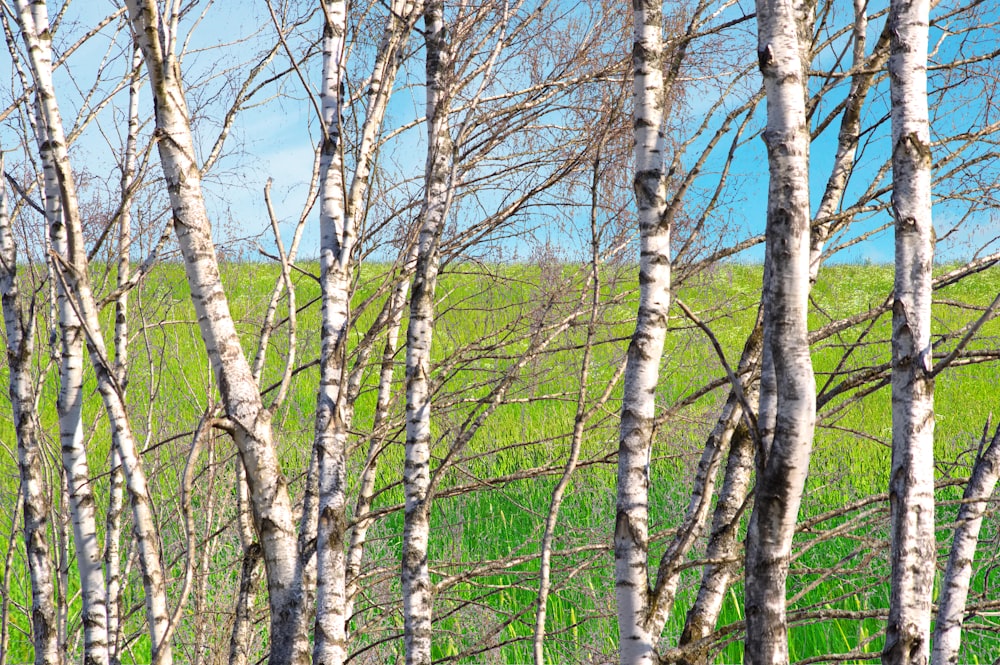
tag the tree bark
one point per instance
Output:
(704, 613)
(241, 635)
(35, 31)
(253, 433)
(383, 400)
(116, 500)
(955, 584)
(911, 479)
(338, 236)
(631, 538)
(71, 270)
(340, 219)
(730, 431)
(415, 575)
(787, 403)
(35, 500)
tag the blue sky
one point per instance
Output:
(274, 136)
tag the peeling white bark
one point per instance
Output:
(72, 271)
(723, 547)
(955, 583)
(631, 539)
(787, 402)
(34, 24)
(240, 393)
(402, 17)
(704, 613)
(35, 501)
(911, 480)
(415, 576)
(147, 538)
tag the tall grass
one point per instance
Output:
(485, 317)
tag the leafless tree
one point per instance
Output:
(911, 480)
(515, 261)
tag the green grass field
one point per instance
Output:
(489, 318)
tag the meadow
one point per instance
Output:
(505, 325)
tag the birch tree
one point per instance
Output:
(787, 402)
(911, 480)
(416, 580)
(958, 574)
(644, 608)
(20, 321)
(646, 346)
(241, 397)
(72, 270)
(116, 501)
(508, 335)
(340, 218)
(332, 419)
(34, 25)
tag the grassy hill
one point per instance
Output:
(527, 326)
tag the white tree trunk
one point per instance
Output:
(400, 21)
(147, 537)
(955, 584)
(34, 24)
(339, 222)
(20, 347)
(337, 238)
(66, 227)
(112, 554)
(787, 402)
(116, 500)
(911, 480)
(722, 545)
(253, 434)
(415, 575)
(730, 431)
(631, 539)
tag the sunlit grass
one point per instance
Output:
(491, 307)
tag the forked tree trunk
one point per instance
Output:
(253, 433)
(911, 480)
(787, 402)
(415, 575)
(23, 400)
(631, 538)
